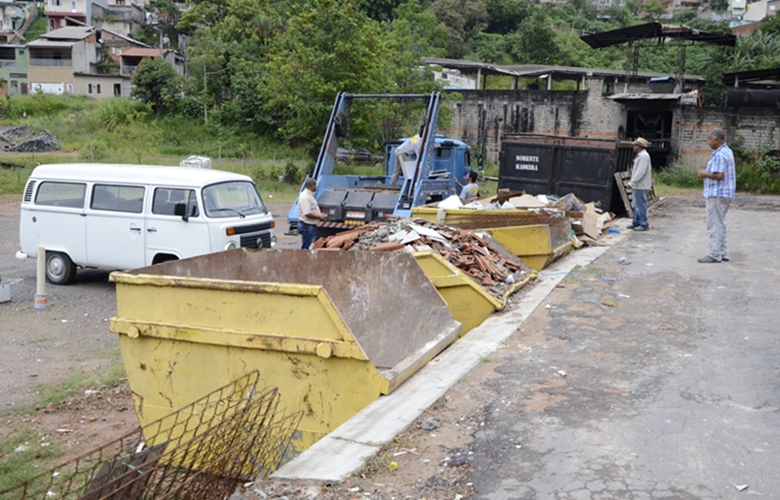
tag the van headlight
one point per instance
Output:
(273, 241)
(231, 245)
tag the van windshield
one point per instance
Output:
(231, 199)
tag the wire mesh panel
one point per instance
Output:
(200, 451)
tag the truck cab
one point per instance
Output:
(355, 200)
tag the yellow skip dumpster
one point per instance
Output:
(538, 237)
(332, 330)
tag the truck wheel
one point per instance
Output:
(60, 270)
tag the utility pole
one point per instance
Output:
(205, 106)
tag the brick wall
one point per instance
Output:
(760, 128)
(484, 116)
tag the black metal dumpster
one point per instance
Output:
(543, 164)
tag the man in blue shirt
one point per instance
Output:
(720, 185)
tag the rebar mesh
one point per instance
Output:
(201, 451)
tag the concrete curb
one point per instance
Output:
(339, 454)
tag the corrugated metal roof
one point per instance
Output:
(644, 97)
(536, 70)
(42, 44)
(141, 52)
(658, 31)
(69, 33)
(750, 76)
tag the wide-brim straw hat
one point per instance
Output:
(641, 142)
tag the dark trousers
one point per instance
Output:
(308, 234)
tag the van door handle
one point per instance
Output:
(135, 229)
(152, 230)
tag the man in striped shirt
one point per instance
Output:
(720, 185)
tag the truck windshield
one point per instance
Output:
(231, 199)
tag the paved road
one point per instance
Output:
(671, 394)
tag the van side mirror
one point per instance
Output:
(180, 209)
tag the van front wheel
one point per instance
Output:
(60, 270)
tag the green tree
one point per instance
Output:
(770, 26)
(168, 16)
(328, 47)
(654, 9)
(155, 82)
(227, 59)
(380, 10)
(719, 5)
(504, 16)
(464, 19)
(137, 135)
(491, 48)
(534, 42)
(202, 13)
(579, 5)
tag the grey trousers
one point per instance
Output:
(717, 227)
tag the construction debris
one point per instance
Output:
(24, 139)
(467, 251)
(519, 209)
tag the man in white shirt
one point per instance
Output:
(403, 153)
(309, 214)
(640, 182)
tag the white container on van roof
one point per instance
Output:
(196, 161)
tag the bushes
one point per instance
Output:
(39, 104)
(679, 175)
(757, 171)
(761, 177)
(108, 114)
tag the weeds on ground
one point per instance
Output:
(381, 461)
(22, 453)
(679, 175)
(13, 179)
(25, 452)
(59, 392)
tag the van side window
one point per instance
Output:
(118, 198)
(61, 194)
(165, 200)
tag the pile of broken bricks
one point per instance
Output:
(465, 250)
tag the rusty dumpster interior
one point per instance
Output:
(371, 291)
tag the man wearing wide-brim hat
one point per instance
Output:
(641, 181)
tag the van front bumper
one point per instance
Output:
(21, 255)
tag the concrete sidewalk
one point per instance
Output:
(345, 450)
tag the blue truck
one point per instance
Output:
(355, 200)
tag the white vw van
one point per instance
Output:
(130, 216)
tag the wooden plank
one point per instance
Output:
(622, 179)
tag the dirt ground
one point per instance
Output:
(40, 349)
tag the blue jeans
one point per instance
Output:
(640, 207)
(308, 234)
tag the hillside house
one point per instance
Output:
(13, 70)
(15, 16)
(84, 60)
(62, 13)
